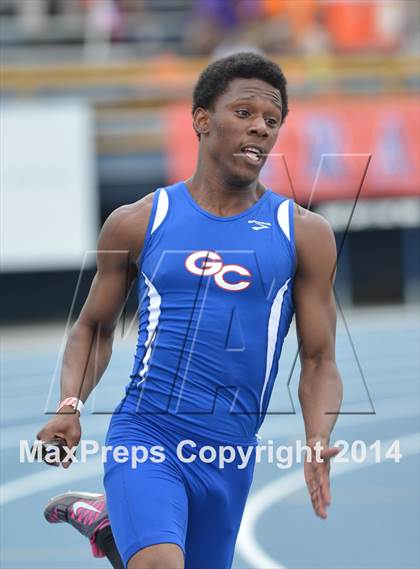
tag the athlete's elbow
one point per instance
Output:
(93, 330)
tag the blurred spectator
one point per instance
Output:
(294, 27)
(410, 35)
(365, 27)
(101, 21)
(208, 22)
(32, 16)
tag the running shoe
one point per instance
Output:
(86, 512)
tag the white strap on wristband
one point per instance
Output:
(74, 402)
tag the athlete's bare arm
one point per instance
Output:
(320, 387)
(89, 345)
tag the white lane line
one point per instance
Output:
(247, 544)
(47, 479)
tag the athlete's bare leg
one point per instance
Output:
(161, 556)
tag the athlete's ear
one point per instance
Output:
(201, 121)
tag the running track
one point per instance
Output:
(373, 522)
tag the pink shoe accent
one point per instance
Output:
(54, 517)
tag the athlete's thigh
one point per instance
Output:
(216, 504)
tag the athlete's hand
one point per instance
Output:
(317, 477)
(65, 425)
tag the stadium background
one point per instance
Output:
(95, 113)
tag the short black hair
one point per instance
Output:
(215, 78)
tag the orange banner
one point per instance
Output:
(326, 149)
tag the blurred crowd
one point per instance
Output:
(302, 27)
(204, 27)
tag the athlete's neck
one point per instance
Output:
(220, 197)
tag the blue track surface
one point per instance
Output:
(374, 518)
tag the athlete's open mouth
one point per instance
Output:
(254, 153)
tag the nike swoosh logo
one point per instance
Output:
(260, 227)
(84, 505)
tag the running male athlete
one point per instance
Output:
(222, 264)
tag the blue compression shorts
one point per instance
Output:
(196, 505)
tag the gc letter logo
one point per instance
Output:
(210, 264)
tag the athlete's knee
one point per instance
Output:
(161, 556)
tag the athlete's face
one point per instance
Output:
(241, 129)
